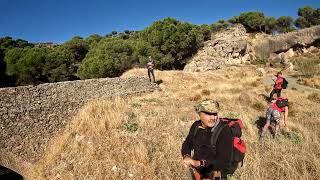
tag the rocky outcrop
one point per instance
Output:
(31, 115)
(283, 58)
(235, 46)
(284, 42)
(227, 47)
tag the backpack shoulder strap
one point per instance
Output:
(216, 132)
(195, 131)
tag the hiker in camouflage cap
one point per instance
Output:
(206, 162)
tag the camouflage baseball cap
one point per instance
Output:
(208, 106)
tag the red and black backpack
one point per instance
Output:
(282, 102)
(239, 146)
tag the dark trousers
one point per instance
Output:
(150, 72)
(278, 91)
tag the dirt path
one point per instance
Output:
(292, 84)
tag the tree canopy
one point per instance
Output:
(284, 24)
(110, 58)
(173, 39)
(307, 17)
(252, 21)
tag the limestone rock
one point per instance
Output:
(313, 49)
(264, 45)
(225, 48)
(275, 59)
(289, 54)
(289, 66)
(235, 46)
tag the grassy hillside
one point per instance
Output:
(308, 67)
(141, 137)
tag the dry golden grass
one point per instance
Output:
(312, 82)
(308, 67)
(141, 137)
(314, 97)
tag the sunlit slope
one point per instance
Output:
(140, 137)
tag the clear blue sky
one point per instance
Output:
(60, 20)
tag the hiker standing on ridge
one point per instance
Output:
(150, 67)
(278, 85)
(273, 115)
(211, 141)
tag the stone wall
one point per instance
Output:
(31, 115)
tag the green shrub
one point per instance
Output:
(292, 136)
(136, 105)
(232, 115)
(258, 61)
(131, 115)
(152, 114)
(130, 127)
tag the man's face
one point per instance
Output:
(208, 119)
